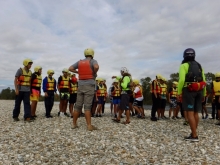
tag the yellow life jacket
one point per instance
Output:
(73, 88)
(163, 89)
(64, 83)
(116, 91)
(37, 81)
(25, 78)
(50, 84)
(174, 92)
(216, 88)
(101, 91)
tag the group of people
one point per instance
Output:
(125, 93)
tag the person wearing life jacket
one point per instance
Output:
(49, 89)
(73, 93)
(215, 86)
(106, 94)
(204, 109)
(125, 94)
(138, 99)
(115, 93)
(22, 90)
(94, 101)
(100, 97)
(172, 99)
(163, 95)
(87, 70)
(63, 87)
(155, 94)
(35, 89)
(110, 97)
(192, 87)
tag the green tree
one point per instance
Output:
(146, 83)
(7, 94)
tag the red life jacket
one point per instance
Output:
(157, 89)
(84, 70)
(139, 93)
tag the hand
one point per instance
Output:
(219, 99)
(45, 94)
(203, 99)
(97, 99)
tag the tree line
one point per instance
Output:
(9, 94)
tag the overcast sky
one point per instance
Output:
(148, 37)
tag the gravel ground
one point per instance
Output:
(52, 141)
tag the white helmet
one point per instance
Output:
(124, 69)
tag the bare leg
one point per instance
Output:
(192, 122)
(75, 117)
(88, 117)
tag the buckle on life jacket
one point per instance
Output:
(124, 92)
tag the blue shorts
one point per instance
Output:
(100, 100)
(116, 101)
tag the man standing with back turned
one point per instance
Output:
(87, 70)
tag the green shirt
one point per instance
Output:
(182, 74)
(124, 83)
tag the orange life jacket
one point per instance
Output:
(50, 84)
(64, 83)
(37, 81)
(84, 70)
(25, 78)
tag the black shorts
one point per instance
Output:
(131, 99)
(138, 103)
(163, 103)
(72, 99)
(124, 103)
(217, 104)
(192, 100)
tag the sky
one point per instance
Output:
(148, 37)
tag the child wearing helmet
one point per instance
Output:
(115, 93)
(22, 90)
(49, 89)
(73, 93)
(138, 99)
(36, 81)
(63, 87)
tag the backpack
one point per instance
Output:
(194, 77)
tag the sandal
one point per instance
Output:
(116, 120)
(126, 122)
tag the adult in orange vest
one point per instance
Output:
(36, 81)
(87, 70)
(22, 90)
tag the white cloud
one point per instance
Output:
(147, 37)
